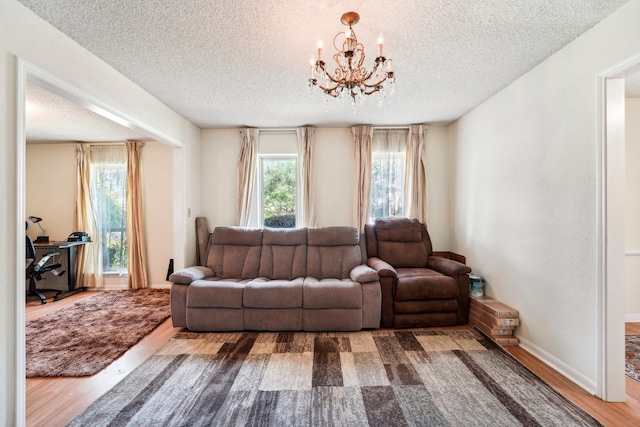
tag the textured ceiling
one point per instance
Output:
(52, 118)
(228, 63)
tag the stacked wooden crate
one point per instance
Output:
(495, 319)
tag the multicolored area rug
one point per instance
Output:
(632, 356)
(375, 378)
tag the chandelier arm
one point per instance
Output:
(337, 80)
(360, 48)
(376, 84)
(328, 89)
(374, 90)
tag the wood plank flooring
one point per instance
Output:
(54, 402)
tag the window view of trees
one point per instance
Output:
(110, 205)
(279, 192)
(387, 184)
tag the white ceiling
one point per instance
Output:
(53, 118)
(229, 63)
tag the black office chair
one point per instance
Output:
(36, 270)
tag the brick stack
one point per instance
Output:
(494, 319)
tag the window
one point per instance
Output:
(278, 191)
(109, 196)
(387, 173)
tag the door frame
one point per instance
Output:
(610, 217)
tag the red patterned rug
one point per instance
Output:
(632, 356)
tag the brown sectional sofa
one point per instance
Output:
(311, 279)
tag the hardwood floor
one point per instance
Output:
(56, 401)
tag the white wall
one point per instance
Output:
(632, 210)
(334, 168)
(49, 188)
(157, 176)
(525, 194)
(24, 35)
(334, 177)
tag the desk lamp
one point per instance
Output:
(42, 238)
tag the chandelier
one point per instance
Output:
(350, 78)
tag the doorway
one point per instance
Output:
(28, 73)
(611, 229)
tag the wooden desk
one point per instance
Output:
(70, 248)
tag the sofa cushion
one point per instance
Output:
(331, 293)
(424, 284)
(262, 293)
(333, 236)
(234, 252)
(398, 229)
(400, 242)
(332, 252)
(284, 253)
(325, 262)
(225, 293)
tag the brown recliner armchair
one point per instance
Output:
(418, 288)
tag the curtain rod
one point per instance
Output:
(273, 130)
(111, 144)
(390, 127)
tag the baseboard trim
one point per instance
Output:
(632, 317)
(562, 368)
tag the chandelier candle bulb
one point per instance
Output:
(390, 66)
(320, 46)
(380, 42)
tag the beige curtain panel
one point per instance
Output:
(362, 136)
(306, 179)
(137, 270)
(416, 174)
(88, 265)
(247, 167)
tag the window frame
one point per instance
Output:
(260, 186)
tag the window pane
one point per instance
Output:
(109, 181)
(279, 193)
(387, 185)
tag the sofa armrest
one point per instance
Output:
(363, 274)
(383, 268)
(460, 273)
(447, 266)
(388, 277)
(189, 274)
